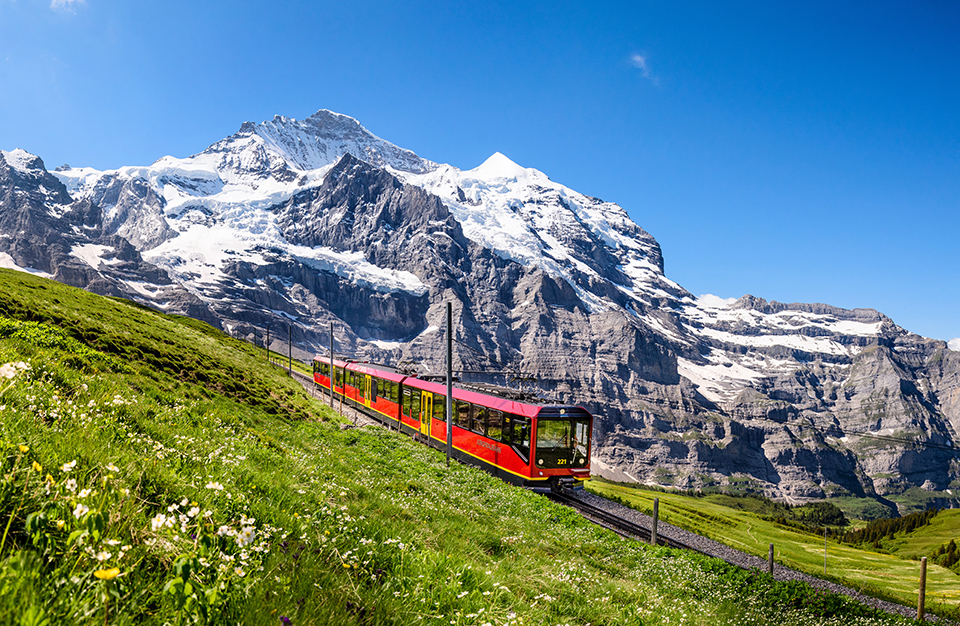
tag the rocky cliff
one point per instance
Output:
(297, 224)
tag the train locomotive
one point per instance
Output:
(540, 447)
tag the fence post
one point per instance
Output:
(656, 516)
(923, 588)
(770, 561)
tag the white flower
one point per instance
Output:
(239, 572)
(214, 485)
(84, 493)
(112, 542)
(103, 556)
(81, 510)
(71, 485)
(194, 511)
(66, 467)
(245, 537)
(157, 522)
(112, 468)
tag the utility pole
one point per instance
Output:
(449, 381)
(333, 371)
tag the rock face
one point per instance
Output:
(300, 224)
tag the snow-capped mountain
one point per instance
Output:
(301, 223)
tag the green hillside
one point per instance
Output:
(893, 575)
(155, 471)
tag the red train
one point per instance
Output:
(543, 447)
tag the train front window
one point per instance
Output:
(562, 443)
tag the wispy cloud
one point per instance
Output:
(65, 5)
(640, 62)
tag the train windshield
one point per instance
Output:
(563, 443)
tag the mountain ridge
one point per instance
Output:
(323, 222)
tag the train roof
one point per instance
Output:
(492, 396)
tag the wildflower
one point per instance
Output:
(23, 448)
(193, 512)
(239, 572)
(157, 522)
(81, 510)
(215, 486)
(37, 467)
(112, 468)
(50, 480)
(60, 524)
(107, 574)
(66, 467)
(285, 620)
(245, 537)
(84, 493)
(112, 542)
(9, 370)
(103, 555)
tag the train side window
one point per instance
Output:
(463, 414)
(415, 404)
(439, 407)
(405, 405)
(392, 391)
(373, 388)
(521, 435)
(507, 427)
(494, 424)
(479, 424)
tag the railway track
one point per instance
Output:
(618, 524)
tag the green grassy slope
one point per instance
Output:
(882, 575)
(154, 471)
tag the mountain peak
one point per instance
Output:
(499, 166)
(22, 161)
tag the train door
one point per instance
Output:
(366, 391)
(426, 412)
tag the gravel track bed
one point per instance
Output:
(693, 540)
(744, 560)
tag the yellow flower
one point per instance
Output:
(37, 467)
(107, 574)
(23, 448)
(50, 479)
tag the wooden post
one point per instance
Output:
(290, 349)
(656, 516)
(266, 343)
(770, 561)
(923, 588)
(824, 550)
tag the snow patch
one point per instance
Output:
(710, 301)
(92, 255)
(954, 344)
(7, 261)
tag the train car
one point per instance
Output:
(542, 447)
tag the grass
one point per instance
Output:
(155, 471)
(880, 575)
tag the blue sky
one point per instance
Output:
(797, 151)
